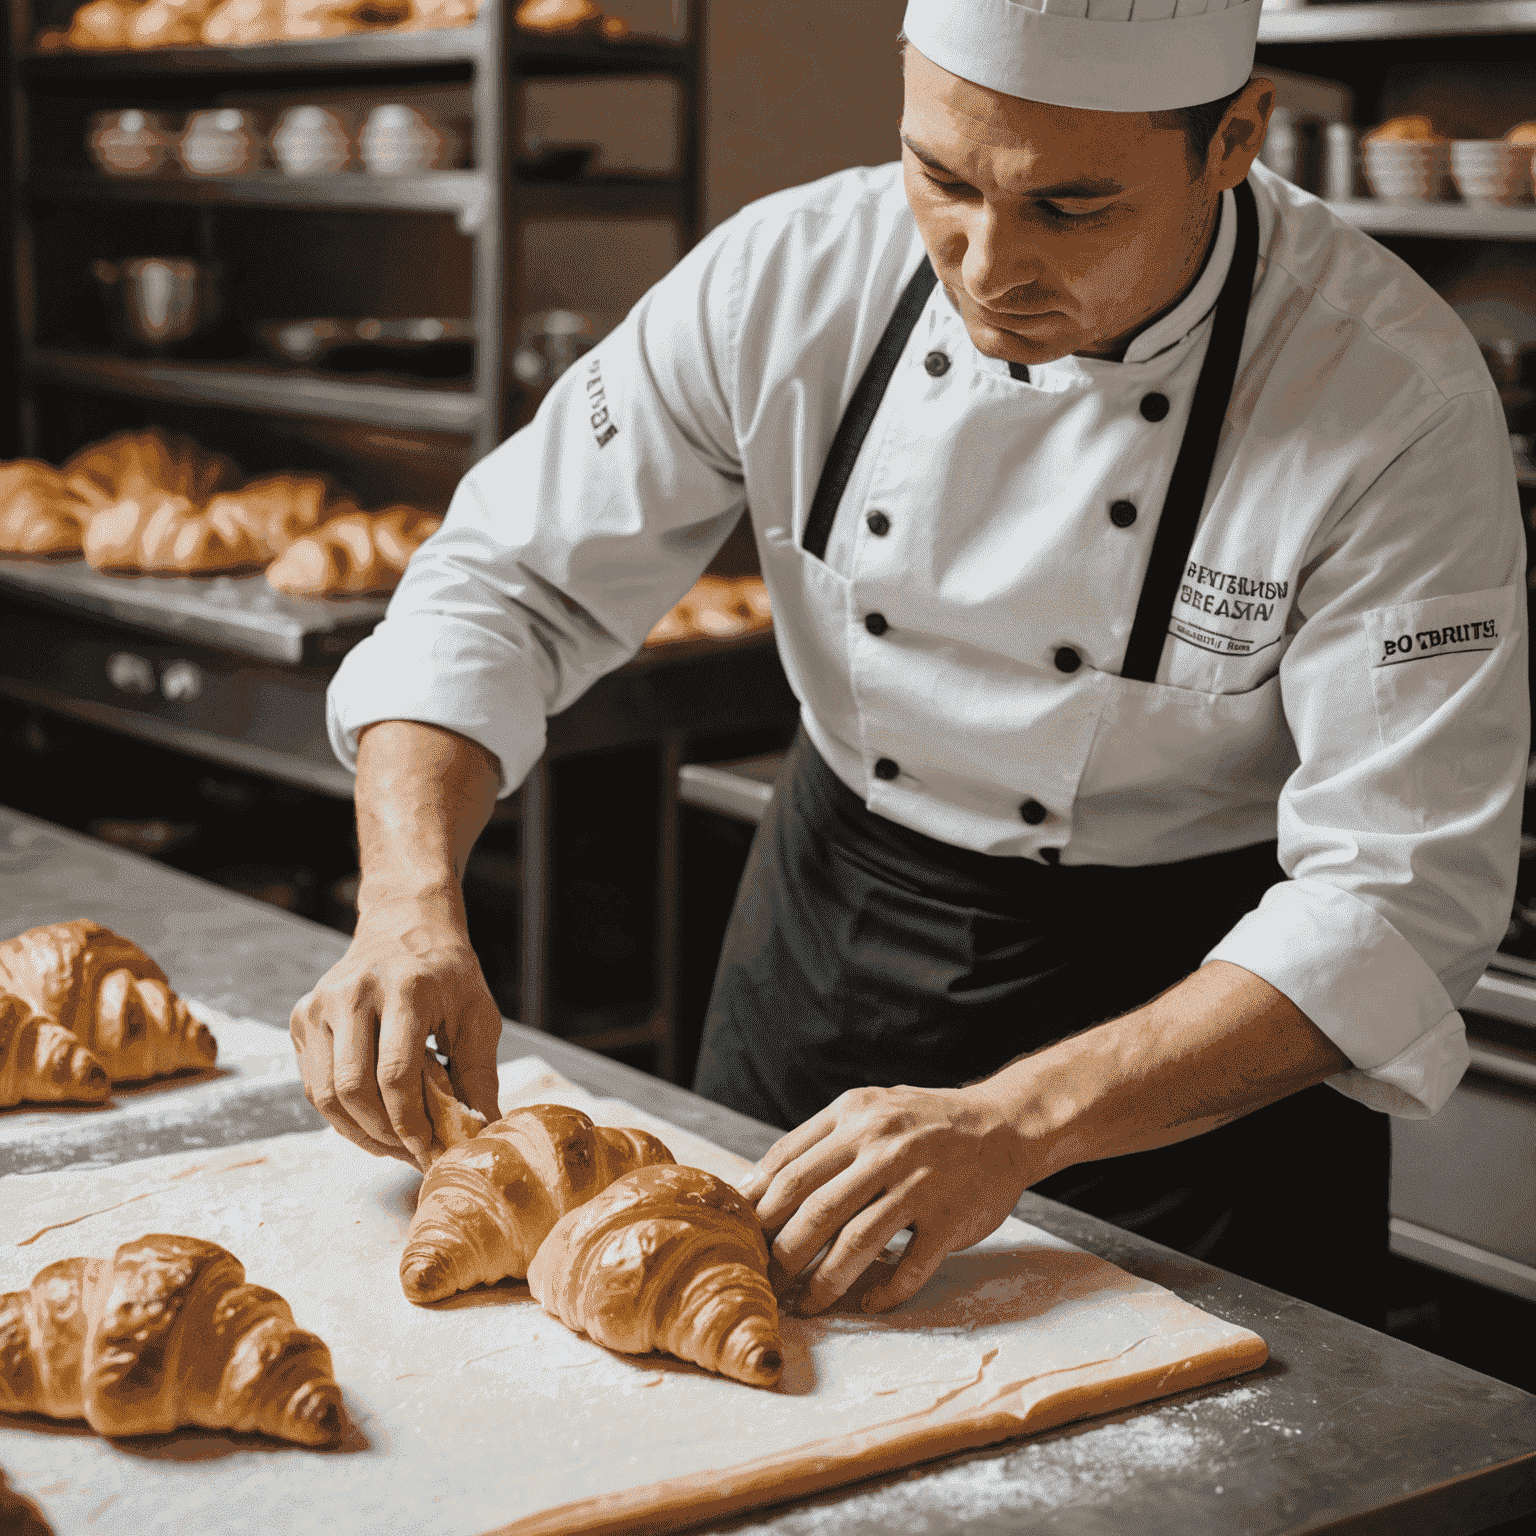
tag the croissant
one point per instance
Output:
(239, 22)
(556, 15)
(453, 1123)
(486, 1205)
(102, 24)
(43, 1061)
(353, 552)
(39, 514)
(717, 607)
(275, 510)
(164, 1333)
(168, 23)
(110, 995)
(138, 466)
(19, 1516)
(666, 1258)
(166, 533)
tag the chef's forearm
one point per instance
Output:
(423, 796)
(1220, 1044)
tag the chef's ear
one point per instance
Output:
(1236, 143)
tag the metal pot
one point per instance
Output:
(157, 301)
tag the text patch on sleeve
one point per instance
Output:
(1438, 627)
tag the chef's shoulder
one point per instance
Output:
(1360, 346)
(814, 262)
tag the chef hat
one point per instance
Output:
(1112, 55)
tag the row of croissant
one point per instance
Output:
(159, 502)
(112, 24)
(614, 1237)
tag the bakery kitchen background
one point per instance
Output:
(276, 274)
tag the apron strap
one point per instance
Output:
(857, 419)
(1192, 469)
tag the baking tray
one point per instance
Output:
(237, 613)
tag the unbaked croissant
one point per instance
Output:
(42, 1061)
(666, 1258)
(110, 995)
(164, 1333)
(19, 1516)
(39, 514)
(353, 552)
(486, 1205)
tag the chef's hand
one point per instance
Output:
(943, 1162)
(423, 796)
(361, 1034)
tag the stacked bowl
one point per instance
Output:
(1492, 171)
(1407, 170)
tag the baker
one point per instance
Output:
(1145, 554)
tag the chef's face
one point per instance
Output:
(1057, 229)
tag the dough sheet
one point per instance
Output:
(482, 1413)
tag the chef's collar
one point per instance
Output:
(1187, 315)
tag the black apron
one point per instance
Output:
(862, 952)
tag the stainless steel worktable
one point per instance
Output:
(1345, 1430)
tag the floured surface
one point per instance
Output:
(484, 1411)
(248, 1052)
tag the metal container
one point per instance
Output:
(157, 301)
(1341, 163)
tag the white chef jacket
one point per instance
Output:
(1345, 668)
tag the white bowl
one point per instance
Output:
(130, 143)
(218, 143)
(309, 141)
(1415, 172)
(1491, 171)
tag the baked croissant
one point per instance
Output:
(139, 466)
(167, 533)
(103, 24)
(110, 995)
(273, 511)
(237, 23)
(39, 514)
(19, 1516)
(666, 1258)
(42, 1061)
(486, 1205)
(353, 552)
(168, 23)
(164, 1333)
(453, 1122)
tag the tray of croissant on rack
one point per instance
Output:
(150, 524)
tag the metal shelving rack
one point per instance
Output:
(489, 204)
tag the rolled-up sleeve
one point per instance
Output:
(1405, 689)
(562, 548)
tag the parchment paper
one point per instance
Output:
(483, 1413)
